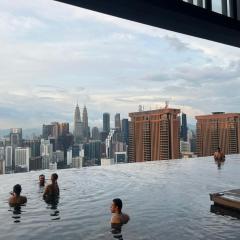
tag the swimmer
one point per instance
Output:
(16, 198)
(219, 155)
(52, 190)
(42, 180)
(118, 218)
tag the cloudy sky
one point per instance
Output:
(53, 55)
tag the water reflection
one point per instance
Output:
(52, 204)
(219, 163)
(219, 210)
(117, 231)
(16, 211)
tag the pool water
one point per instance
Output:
(165, 200)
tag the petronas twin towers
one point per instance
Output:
(80, 129)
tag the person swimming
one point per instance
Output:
(118, 218)
(219, 155)
(42, 180)
(16, 198)
(52, 190)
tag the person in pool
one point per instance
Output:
(42, 180)
(52, 190)
(16, 198)
(219, 155)
(118, 218)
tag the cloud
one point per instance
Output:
(53, 55)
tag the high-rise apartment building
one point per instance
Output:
(154, 135)
(2, 160)
(92, 151)
(125, 130)
(9, 159)
(117, 121)
(218, 130)
(46, 148)
(63, 129)
(184, 128)
(95, 134)
(34, 145)
(22, 157)
(106, 122)
(16, 136)
(47, 130)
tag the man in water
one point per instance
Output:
(118, 218)
(16, 198)
(219, 155)
(52, 190)
(42, 180)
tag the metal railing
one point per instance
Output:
(229, 8)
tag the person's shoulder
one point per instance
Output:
(125, 218)
(23, 199)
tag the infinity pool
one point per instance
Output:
(165, 200)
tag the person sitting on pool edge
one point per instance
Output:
(16, 198)
(118, 218)
(52, 190)
(42, 180)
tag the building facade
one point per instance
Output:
(106, 122)
(218, 130)
(22, 158)
(184, 128)
(154, 135)
(117, 121)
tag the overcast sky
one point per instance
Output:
(53, 55)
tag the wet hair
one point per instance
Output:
(55, 176)
(118, 203)
(42, 175)
(219, 148)
(17, 189)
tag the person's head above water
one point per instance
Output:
(17, 189)
(42, 179)
(54, 177)
(116, 206)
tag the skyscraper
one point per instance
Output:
(184, 129)
(16, 137)
(218, 130)
(106, 122)
(85, 123)
(125, 130)
(154, 135)
(47, 130)
(22, 157)
(95, 133)
(78, 126)
(63, 129)
(9, 159)
(117, 121)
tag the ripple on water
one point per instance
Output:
(165, 200)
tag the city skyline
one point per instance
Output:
(54, 55)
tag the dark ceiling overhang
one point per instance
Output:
(174, 15)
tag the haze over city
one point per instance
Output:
(55, 55)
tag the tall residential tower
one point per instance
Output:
(218, 130)
(154, 135)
